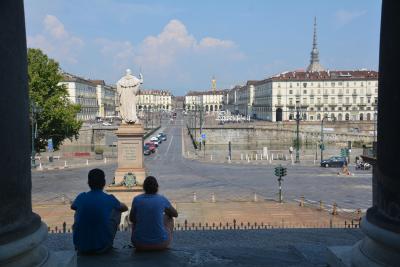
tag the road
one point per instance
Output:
(180, 177)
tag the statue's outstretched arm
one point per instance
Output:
(141, 78)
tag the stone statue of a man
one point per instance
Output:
(127, 88)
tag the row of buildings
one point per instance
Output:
(100, 100)
(315, 93)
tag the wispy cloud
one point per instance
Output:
(344, 17)
(56, 41)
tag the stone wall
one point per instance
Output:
(270, 135)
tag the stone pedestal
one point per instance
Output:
(124, 194)
(130, 152)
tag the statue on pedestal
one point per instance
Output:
(127, 88)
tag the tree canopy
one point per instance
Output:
(56, 118)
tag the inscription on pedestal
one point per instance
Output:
(129, 151)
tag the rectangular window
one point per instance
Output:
(290, 92)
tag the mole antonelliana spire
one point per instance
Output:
(314, 61)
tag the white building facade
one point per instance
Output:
(106, 99)
(84, 93)
(209, 101)
(156, 100)
(337, 95)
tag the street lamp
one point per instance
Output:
(35, 109)
(322, 146)
(297, 132)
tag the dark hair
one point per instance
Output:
(150, 185)
(96, 179)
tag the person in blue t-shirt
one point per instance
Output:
(152, 218)
(97, 216)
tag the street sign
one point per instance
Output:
(203, 136)
(50, 145)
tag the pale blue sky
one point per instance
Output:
(180, 45)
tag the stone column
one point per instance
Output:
(381, 225)
(21, 230)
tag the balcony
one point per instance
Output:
(319, 104)
(291, 105)
(347, 104)
(361, 104)
(332, 104)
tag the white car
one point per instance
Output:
(155, 139)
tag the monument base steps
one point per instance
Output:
(29, 251)
(379, 248)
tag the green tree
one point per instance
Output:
(57, 116)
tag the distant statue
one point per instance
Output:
(127, 88)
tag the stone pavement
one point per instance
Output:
(275, 247)
(271, 213)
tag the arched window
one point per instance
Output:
(368, 116)
(347, 116)
(318, 117)
(340, 117)
(361, 116)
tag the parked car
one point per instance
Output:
(162, 137)
(334, 162)
(154, 142)
(146, 150)
(151, 146)
(157, 139)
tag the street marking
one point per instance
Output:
(169, 145)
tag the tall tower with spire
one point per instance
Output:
(314, 61)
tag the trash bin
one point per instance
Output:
(51, 159)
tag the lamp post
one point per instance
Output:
(322, 146)
(297, 132)
(35, 109)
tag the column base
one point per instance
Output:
(379, 248)
(29, 251)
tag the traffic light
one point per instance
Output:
(277, 171)
(284, 171)
(322, 146)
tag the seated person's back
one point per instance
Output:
(149, 225)
(96, 218)
(151, 216)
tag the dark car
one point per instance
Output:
(146, 150)
(151, 147)
(163, 136)
(334, 162)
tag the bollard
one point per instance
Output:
(301, 204)
(212, 197)
(40, 166)
(241, 156)
(359, 212)
(105, 160)
(321, 205)
(65, 163)
(255, 197)
(211, 157)
(229, 159)
(256, 156)
(261, 156)
(194, 197)
(87, 162)
(334, 209)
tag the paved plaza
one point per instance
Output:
(179, 177)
